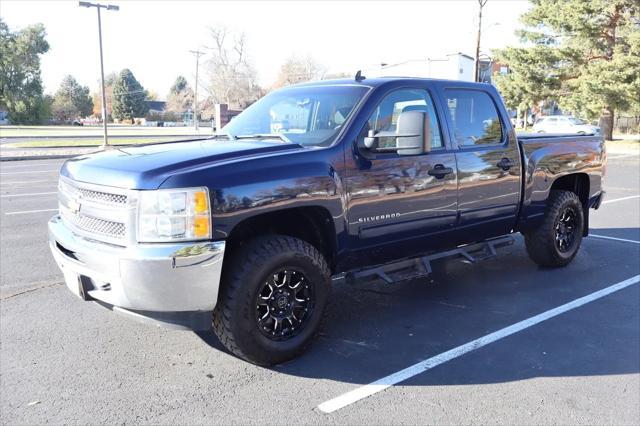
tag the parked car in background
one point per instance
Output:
(564, 124)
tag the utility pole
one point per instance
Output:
(105, 143)
(476, 72)
(197, 54)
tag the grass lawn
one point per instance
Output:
(120, 130)
(58, 143)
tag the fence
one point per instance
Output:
(627, 124)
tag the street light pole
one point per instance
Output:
(196, 122)
(476, 73)
(105, 143)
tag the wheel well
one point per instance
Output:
(577, 183)
(311, 224)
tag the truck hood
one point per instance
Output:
(146, 167)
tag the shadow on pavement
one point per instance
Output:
(376, 330)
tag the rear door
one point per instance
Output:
(395, 200)
(488, 162)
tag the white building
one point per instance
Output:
(456, 66)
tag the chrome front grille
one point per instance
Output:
(96, 211)
(95, 225)
(93, 195)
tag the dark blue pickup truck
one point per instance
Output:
(243, 232)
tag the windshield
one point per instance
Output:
(311, 116)
(576, 121)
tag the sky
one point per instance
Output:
(153, 38)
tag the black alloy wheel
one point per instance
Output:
(284, 304)
(565, 229)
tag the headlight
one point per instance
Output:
(174, 215)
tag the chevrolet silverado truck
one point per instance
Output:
(243, 233)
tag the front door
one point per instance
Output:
(396, 201)
(488, 165)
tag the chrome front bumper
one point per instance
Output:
(169, 284)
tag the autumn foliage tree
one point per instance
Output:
(109, 81)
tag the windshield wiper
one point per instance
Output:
(280, 136)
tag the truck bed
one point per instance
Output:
(548, 157)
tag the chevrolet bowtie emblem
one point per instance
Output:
(74, 205)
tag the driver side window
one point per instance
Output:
(385, 117)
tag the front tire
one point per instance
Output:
(557, 240)
(272, 300)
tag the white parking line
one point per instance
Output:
(27, 195)
(31, 171)
(395, 378)
(31, 211)
(615, 200)
(617, 156)
(15, 182)
(22, 166)
(604, 237)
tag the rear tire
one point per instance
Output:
(557, 240)
(272, 300)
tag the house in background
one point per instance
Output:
(455, 66)
(156, 107)
(222, 115)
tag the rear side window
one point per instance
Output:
(475, 118)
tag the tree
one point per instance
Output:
(297, 69)
(533, 76)
(71, 100)
(180, 96)
(232, 78)
(128, 97)
(20, 81)
(109, 81)
(151, 95)
(588, 55)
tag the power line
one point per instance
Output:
(197, 54)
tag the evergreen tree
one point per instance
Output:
(128, 97)
(585, 55)
(71, 100)
(180, 96)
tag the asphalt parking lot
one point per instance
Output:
(67, 361)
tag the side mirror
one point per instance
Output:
(411, 135)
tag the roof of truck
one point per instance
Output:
(378, 81)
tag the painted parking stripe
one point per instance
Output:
(395, 378)
(31, 211)
(31, 171)
(615, 200)
(27, 195)
(23, 166)
(15, 182)
(618, 156)
(604, 237)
